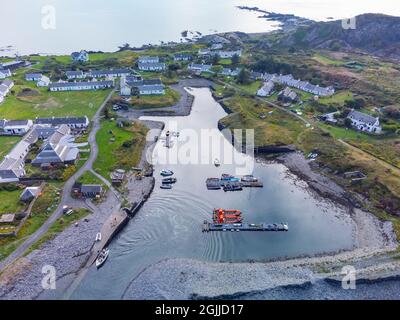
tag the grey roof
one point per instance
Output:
(151, 88)
(108, 72)
(33, 75)
(7, 82)
(91, 188)
(145, 82)
(63, 120)
(362, 117)
(78, 84)
(182, 55)
(150, 65)
(16, 123)
(74, 73)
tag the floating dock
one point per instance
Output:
(275, 227)
(226, 185)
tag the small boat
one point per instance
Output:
(98, 236)
(169, 180)
(228, 177)
(232, 187)
(249, 178)
(166, 186)
(216, 162)
(166, 173)
(102, 257)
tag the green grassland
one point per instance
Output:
(48, 104)
(9, 201)
(124, 152)
(7, 143)
(170, 98)
(277, 128)
(89, 178)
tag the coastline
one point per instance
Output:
(69, 251)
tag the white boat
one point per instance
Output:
(102, 257)
(98, 236)
(216, 162)
(166, 173)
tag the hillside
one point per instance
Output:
(375, 34)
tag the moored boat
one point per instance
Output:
(169, 180)
(166, 186)
(166, 173)
(102, 257)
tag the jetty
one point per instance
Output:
(273, 227)
(231, 183)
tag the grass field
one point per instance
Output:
(48, 104)
(9, 201)
(7, 143)
(115, 154)
(170, 98)
(89, 178)
(278, 127)
(251, 88)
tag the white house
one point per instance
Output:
(204, 52)
(108, 73)
(33, 76)
(81, 86)
(143, 87)
(71, 75)
(4, 73)
(15, 127)
(182, 57)
(43, 81)
(151, 66)
(217, 46)
(5, 87)
(230, 72)
(13, 165)
(74, 123)
(229, 54)
(15, 64)
(200, 67)
(81, 56)
(266, 89)
(364, 122)
(149, 59)
(151, 90)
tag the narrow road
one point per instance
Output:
(66, 198)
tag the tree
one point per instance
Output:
(347, 122)
(215, 59)
(235, 59)
(243, 77)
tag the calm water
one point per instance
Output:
(169, 224)
(104, 25)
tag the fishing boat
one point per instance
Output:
(169, 180)
(228, 178)
(166, 186)
(216, 162)
(98, 236)
(166, 173)
(249, 178)
(102, 257)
